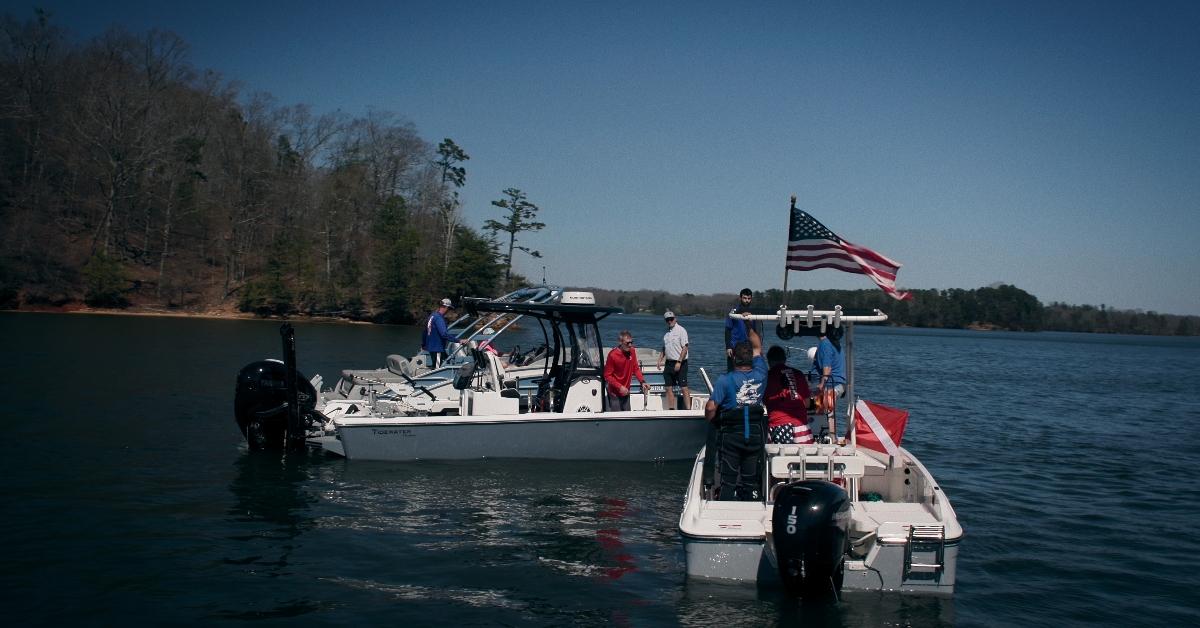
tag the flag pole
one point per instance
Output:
(785, 265)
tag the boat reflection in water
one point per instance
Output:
(713, 603)
(510, 535)
(273, 508)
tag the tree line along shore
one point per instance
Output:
(130, 178)
(132, 181)
(1002, 307)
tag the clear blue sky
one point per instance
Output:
(1052, 145)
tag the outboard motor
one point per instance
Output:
(809, 528)
(261, 403)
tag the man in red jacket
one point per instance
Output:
(619, 369)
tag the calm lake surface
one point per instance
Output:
(1071, 460)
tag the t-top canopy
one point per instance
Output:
(553, 311)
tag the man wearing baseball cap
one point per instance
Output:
(435, 338)
(675, 350)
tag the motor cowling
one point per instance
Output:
(260, 403)
(809, 529)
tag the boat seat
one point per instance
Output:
(892, 516)
(398, 364)
(497, 364)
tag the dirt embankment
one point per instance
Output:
(225, 313)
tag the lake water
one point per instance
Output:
(1070, 459)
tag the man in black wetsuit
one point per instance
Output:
(735, 407)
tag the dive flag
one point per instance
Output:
(879, 427)
(811, 245)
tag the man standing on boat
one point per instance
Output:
(435, 338)
(619, 369)
(786, 400)
(735, 329)
(675, 350)
(735, 408)
(831, 365)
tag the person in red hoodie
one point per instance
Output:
(786, 400)
(619, 370)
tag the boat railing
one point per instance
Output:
(788, 463)
(810, 317)
(707, 381)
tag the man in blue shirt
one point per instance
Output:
(735, 330)
(831, 366)
(435, 338)
(735, 407)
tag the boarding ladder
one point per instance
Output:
(926, 538)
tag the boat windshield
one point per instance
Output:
(587, 340)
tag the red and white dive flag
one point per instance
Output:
(879, 427)
(811, 246)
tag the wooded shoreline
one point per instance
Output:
(1055, 317)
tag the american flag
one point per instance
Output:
(811, 245)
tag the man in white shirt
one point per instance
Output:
(675, 350)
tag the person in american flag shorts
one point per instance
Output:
(786, 399)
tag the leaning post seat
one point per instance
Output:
(398, 364)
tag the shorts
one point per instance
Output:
(617, 403)
(671, 378)
(790, 434)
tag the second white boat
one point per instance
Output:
(833, 516)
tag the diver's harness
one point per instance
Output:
(729, 419)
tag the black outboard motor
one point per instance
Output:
(261, 403)
(809, 527)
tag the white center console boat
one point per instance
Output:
(855, 512)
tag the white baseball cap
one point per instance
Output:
(668, 314)
(447, 303)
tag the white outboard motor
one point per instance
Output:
(809, 530)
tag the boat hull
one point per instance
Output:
(737, 560)
(746, 561)
(884, 571)
(567, 436)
